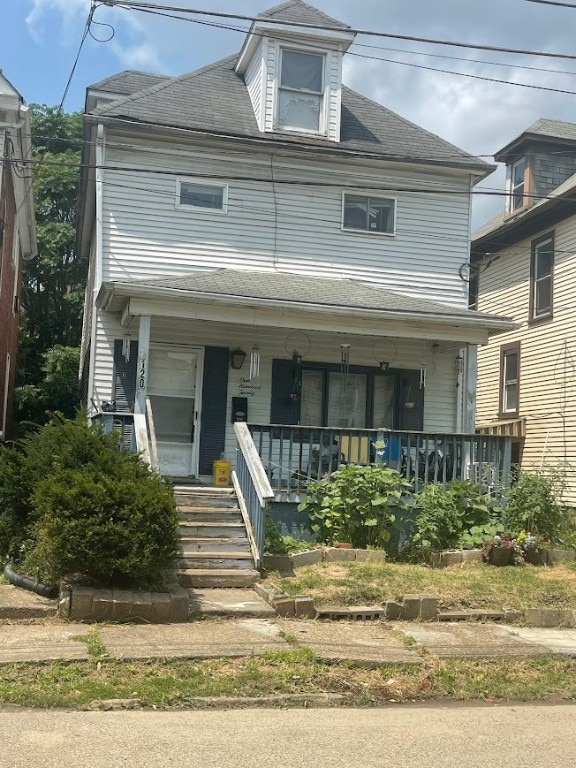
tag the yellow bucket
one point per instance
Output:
(221, 472)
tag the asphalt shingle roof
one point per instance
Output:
(128, 82)
(558, 129)
(292, 288)
(297, 11)
(214, 99)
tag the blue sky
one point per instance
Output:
(41, 38)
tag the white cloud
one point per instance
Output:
(69, 10)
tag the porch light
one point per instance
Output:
(237, 357)
(384, 365)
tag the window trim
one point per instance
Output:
(324, 93)
(368, 197)
(536, 243)
(513, 347)
(202, 183)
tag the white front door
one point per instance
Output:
(175, 391)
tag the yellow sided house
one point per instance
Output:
(524, 263)
(275, 273)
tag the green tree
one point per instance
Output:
(54, 281)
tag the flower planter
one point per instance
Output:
(535, 556)
(501, 556)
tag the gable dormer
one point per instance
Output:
(293, 71)
(537, 162)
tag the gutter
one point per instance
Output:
(109, 290)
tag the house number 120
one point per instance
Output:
(142, 379)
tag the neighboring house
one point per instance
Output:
(524, 264)
(268, 245)
(17, 234)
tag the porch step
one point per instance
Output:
(214, 546)
(193, 544)
(201, 578)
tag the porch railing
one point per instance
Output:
(252, 487)
(294, 455)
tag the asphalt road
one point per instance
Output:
(403, 737)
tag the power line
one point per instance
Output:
(552, 2)
(140, 6)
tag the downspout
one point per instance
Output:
(98, 268)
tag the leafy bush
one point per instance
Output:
(458, 515)
(532, 504)
(72, 501)
(276, 543)
(356, 504)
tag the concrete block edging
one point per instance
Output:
(80, 603)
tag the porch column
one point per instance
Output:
(142, 369)
(470, 384)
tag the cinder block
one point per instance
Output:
(179, 605)
(284, 606)
(122, 604)
(266, 593)
(64, 601)
(310, 557)
(428, 608)
(451, 558)
(304, 607)
(471, 555)
(370, 555)
(81, 603)
(335, 554)
(548, 617)
(161, 608)
(282, 563)
(411, 607)
(102, 605)
(393, 610)
(142, 606)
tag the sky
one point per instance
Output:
(41, 39)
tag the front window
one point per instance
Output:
(517, 173)
(301, 92)
(369, 214)
(509, 378)
(207, 196)
(541, 278)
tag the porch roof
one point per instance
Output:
(285, 290)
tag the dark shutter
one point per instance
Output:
(125, 377)
(284, 409)
(411, 419)
(214, 397)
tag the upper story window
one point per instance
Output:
(509, 378)
(517, 172)
(542, 277)
(301, 91)
(363, 213)
(204, 195)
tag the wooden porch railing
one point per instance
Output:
(252, 488)
(293, 455)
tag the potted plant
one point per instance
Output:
(533, 548)
(502, 550)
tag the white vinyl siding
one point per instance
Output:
(255, 84)
(548, 351)
(284, 227)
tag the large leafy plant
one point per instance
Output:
(356, 504)
(533, 503)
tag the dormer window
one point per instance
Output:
(301, 92)
(517, 174)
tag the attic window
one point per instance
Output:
(517, 172)
(300, 92)
(199, 194)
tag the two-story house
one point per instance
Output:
(268, 245)
(524, 263)
(17, 234)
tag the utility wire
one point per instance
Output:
(552, 2)
(140, 6)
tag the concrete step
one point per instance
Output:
(215, 578)
(192, 544)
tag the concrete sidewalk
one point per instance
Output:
(372, 643)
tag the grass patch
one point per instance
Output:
(176, 684)
(97, 651)
(474, 585)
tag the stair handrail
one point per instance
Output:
(254, 463)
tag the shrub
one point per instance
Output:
(356, 504)
(532, 504)
(73, 502)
